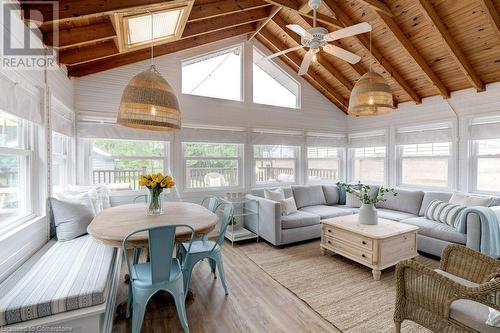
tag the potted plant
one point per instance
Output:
(156, 183)
(367, 212)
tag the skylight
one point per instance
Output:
(165, 26)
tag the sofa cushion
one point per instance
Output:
(470, 200)
(274, 195)
(332, 194)
(406, 201)
(326, 212)
(259, 192)
(436, 230)
(288, 206)
(298, 220)
(394, 214)
(431, 196)
(61, 277)
(308, 195)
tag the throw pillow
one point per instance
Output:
(444, 212)
(288, 206)
(494, 315)
(342, 195)
(274, 195)
(71, 218)
(352, 201)
(470, 200)
(81, 198)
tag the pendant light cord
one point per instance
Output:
(371, 56)
(152, 38)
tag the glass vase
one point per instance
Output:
(154, 202)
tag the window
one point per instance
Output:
(120, 162)
(271, 85)
(212, 165)
(323, 164)
(369, 164)
(425, 164)
(15, 168)
(217, 75)
(60, 161)
(275, 164)
(487, 165)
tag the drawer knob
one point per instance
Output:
(329, 242)
(363, 256)
(329, 230)
(363, 242)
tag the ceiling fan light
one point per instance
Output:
(370, 96)
(149, 102)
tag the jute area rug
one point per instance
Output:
(340, 290)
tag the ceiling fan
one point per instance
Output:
(317, 38)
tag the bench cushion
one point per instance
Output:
(61, 277)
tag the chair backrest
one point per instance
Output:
(227, 214)
(142, 197)
(214, 179)
(161, 248)
(211, 202)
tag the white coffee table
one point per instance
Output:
(375, 246)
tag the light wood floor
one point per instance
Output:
(256, 303)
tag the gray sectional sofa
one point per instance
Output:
(319, 202)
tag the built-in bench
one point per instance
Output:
(70, 285)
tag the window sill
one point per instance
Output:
(18, 225)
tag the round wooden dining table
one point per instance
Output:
(112, 225)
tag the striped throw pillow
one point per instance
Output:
(444, 212)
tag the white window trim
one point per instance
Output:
(297, 163)
(241, 170)
(352, 159)
(399, 169)
(341, 151)
(473, 168)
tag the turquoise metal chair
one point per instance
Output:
(161, 272)
(203, 248)
(141, 198)
(211, 203)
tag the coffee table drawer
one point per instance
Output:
(349, 251)
(354, 239)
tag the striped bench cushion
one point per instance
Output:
(62, 276)
(444, 212)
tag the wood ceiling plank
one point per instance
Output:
(493, 16)
(262, 24)
(279, 21)
(294, 6)
(222, 22)
(224, 7)
(414, 54)
(79, 55)
(278, 45)
(448, 41)
(377, 55)
(122, 59)
(80, 35)
(377, 5)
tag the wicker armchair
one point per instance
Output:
(425, 296)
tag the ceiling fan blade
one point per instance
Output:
(342, 54)
(299, 30)
(283, 52)
(348, 32)
(306, 62)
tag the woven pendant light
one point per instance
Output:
(148, 101)
(371, 96)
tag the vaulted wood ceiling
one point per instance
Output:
(421, 47)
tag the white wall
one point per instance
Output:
(459, 109)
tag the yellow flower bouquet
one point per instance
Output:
(156, 183)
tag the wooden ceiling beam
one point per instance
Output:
(294, 6)
(222, 22)
(225, 7)
(448, 41)
(339, 77)
(83, 54)
(78, 36)
(311, 74)
(377, 55)
(377, 5)
(262, 24)
(122, 59)
(493, 16)
(414, 54)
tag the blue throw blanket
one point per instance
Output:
(490, 228)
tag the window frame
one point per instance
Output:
(207, 55)
(399, 167)
(297, 162)
(341, 163)
(240, 159)
(65, 157)
(473, 167)
(165, 158)
(352, 161)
